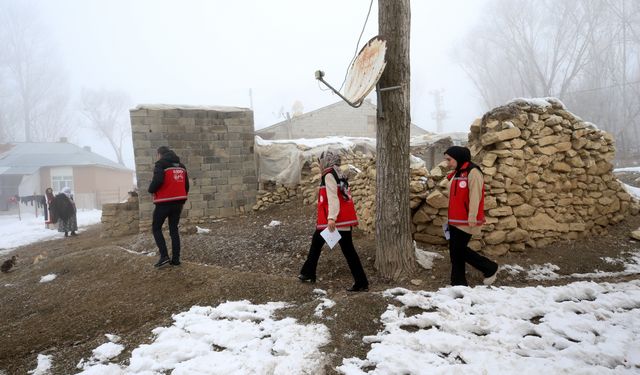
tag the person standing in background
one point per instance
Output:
(49, 218)
(64, 208)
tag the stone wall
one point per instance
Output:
(120, 219)
(548, 177)
(217, 146)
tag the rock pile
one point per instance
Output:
(548, 176)
(120, 219)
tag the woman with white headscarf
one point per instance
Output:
(65, 209)
(335, 211)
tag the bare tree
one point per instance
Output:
(530, 48)
(395, 256)
(584, 52)
(32, 75)
(108, 113)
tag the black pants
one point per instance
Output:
(461, 254)
(348, 250)
(160, 214)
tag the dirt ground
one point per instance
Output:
(110, 285)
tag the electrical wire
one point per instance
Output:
(355, 54)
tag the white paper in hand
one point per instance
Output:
(447, 233)
(331, 238)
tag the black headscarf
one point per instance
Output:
(461, 155)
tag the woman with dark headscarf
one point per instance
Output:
(466, 216)
(335, 211)
(64, 208)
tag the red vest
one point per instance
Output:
(459, 199)
(346, 217)
(173, 186)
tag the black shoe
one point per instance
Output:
(175, 263)
(66, 234)
(162, 262)
(74, 233)
(304, 278)
(357, 288)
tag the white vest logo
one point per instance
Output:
(462, 184)
(178, 175)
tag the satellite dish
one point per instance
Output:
(364, 72)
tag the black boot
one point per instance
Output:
(162, 262)
(304, 278)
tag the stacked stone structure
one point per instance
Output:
(548, 177)
(217, 146)
(120, 219)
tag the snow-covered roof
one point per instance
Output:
(23, 158)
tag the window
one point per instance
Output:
(60, 178)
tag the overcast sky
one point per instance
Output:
(213, 52)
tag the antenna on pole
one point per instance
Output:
(439, 114)
(363, 74)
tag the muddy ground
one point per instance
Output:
(110, 285)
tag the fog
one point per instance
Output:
(263, 55)
(217, 52)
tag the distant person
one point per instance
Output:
(335, 211)
(169, 186)
(49, 218)
(466, 216)
(64, 208)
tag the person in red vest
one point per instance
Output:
(170, 187)
(336, 212)
(466, 216)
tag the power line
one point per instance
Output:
(602, 88)
(357, 45)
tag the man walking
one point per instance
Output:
(169, 186)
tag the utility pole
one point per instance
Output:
(251, 99)
(439, 114)
(395, 256)
(624, 79)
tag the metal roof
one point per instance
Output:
(27, 157)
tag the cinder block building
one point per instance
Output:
(217, 146)
(338, 119)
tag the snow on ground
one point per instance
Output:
(232, 338)
(47, 278)
(15, 232)
(632, 190)
(580, 328)
(627, 169)
(44, 365)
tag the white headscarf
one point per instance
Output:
(66, 191)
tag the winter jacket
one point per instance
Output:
(170, 182)
(62, 207)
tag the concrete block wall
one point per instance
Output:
(216, 144)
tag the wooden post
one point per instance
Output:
(395, 255)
